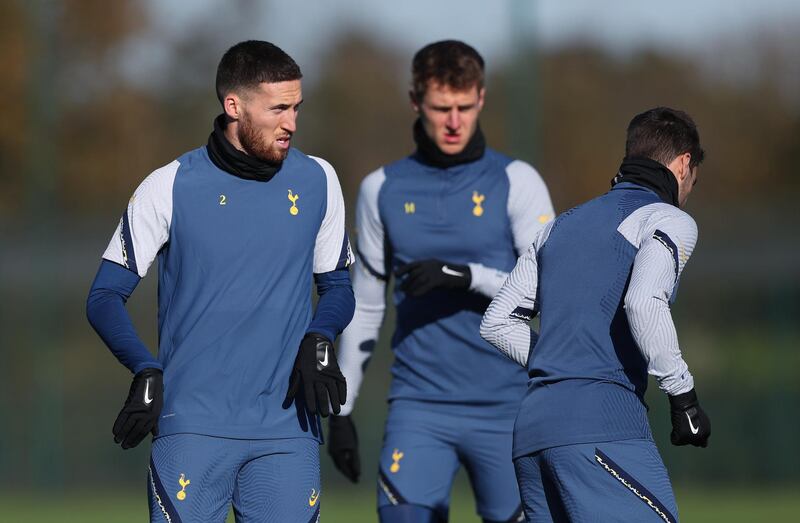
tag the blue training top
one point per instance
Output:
(481, 214)
(236, 259)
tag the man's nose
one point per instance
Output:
(453, 118)
(289, 123)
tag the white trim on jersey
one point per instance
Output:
(135, 244)
(331, 239)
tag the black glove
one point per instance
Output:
(343, 446)
(426, 275)
(139, 415)
(690, 425)
(318, 371)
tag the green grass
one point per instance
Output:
(356, 505)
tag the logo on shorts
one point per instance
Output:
(410, 207)
(293, 210)
(312, 499)
(183, 482)
(396, 457)
(477, 199)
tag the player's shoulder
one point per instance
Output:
(401, 166)
(658, 216)
(371, 185)
(162, 179)
(297, 159)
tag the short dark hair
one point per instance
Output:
(249, 63)
(662, 134)
(449, 62)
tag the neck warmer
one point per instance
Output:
(230, 159)
(429, 153)
(651, 175)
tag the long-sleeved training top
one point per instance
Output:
(602, 276)
(483, 213)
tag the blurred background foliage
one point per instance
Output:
(81, 128)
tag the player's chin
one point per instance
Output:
(273, 154)
(451, 147)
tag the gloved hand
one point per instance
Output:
(343, 446)
(690, 425)
(317, 370)
(426, 275)
(139, 415)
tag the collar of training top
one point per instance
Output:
(230, 159)
(429, 153)
(650, 174)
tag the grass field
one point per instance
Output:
(356, 505)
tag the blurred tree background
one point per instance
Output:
(82, 127)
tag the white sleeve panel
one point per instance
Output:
(332, 249)
(144, 227)
(529, 205)
(369, 227)
(369, 286)
(529, 209)
(667, 241)
(505, 323)
(360, 337)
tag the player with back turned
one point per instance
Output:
(603, 276)
(449, 221)
(239, 227)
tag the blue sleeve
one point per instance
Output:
(105, 309)
(336, 303)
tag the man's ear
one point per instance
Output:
(232, 105)
(686, 162)
(413, 100)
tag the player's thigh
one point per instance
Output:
(191, 477)
(485, 451)
(279, 482)
(532, 489)
(417, 467)
(612, 481)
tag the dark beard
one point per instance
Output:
(254, 145)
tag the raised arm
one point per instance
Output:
(505, 323)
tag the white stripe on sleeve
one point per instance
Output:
(332, 243)
(144, 228)
(667, 242)
(369, 286)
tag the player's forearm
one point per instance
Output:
(359, 338)
(336, 303)
(486, 280)
(106, 312)
(505, 323)
(654, 332)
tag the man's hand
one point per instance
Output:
(423, 276)
(690, 425)
(343, 447)
(317, 370)
(139, 415)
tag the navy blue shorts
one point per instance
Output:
(612, 481)
(197, 478)
(425, 444)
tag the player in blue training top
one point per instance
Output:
(449, 221)
(603, 276)
(239, 227)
